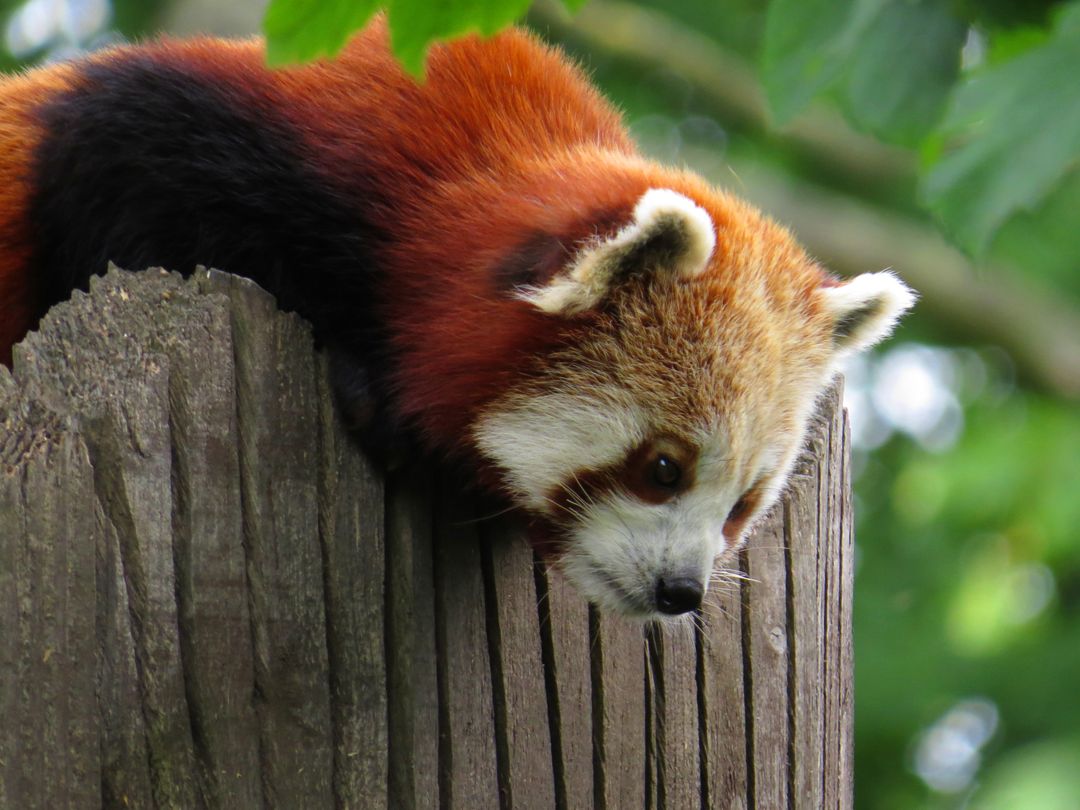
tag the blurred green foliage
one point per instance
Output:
(127, 16)
(968, 575)
(995, 142)
(1015, 127)
(945, 607)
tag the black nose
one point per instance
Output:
(680, 595)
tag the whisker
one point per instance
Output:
(482, 518)
(731, 575)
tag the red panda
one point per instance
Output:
(629, 354)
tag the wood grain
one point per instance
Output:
(804, 546)
(526, 775)
(211, 598)
(618, 683)
(565, 636)
(846, 656)
(723, 699)
(830, 513)
(277, 415)
(766, 647)
(352, 530)
(412, 676)
(673, 651)
(468, 768)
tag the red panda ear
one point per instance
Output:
(669, 232)
(866, 308)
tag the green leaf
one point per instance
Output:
(1043, 240)
(803, 50)
(415, 24)
(902, 68)
(301, 30)
(1013, 42)
(1014, 129)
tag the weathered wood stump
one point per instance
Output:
(209, 598)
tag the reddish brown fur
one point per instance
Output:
(19, 133)
(530, 293)
(504, 139)
(561, 156)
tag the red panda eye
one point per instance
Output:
(658, 470)
(666, 472)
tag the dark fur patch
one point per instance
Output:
(851, 321)
(533, 263)
(147, 163)
(542, 256)
(662, 248)
(632, 476)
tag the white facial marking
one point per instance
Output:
(623, 547)
(620, 547)
(541, 441)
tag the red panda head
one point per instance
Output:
(648, 444)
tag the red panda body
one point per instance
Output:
(486, 255)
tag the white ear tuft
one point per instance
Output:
(669, 232)
(866, 308)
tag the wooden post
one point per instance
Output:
(209, 598)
